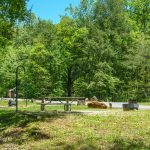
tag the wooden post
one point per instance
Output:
(42, 107)
(110, 105)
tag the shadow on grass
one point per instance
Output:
(20, 136)
(17, 123)
(21, 119)
(126, 144)
(117, 144)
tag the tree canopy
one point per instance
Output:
(101, 48)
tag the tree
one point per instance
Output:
(140, 12)
(11, 12)
(139, 62)
(71, 39)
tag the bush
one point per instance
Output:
(96, 104)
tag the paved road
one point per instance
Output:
(114, 104)
(119, 105)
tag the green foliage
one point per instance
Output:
(11, 12)
(101, 49)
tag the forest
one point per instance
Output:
(99, 48)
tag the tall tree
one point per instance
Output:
(11, 12)
(71, 39)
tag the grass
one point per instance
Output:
(145, 103)
(4, 103)
(36, 106)
(110, 130)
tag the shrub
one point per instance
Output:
(96, 104)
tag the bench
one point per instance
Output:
(67, 106)
(11, 103)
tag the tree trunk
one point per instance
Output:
(69, 83)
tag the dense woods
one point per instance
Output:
(101, 48)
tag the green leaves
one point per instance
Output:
(101, 49)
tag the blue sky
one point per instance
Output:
(50, 9)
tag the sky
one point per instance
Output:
(50, 9)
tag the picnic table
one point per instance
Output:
(67, 104)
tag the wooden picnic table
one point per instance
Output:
(67, 105)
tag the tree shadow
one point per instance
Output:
(19, 131)
(19, 121)
(79, 144)
(22, 118)
(117, 144)
(20, 136)
(126, 144)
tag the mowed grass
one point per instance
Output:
(4, 103)
(36, 106)
(109, 130)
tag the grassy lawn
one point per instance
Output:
(36, 106)
(21, 103)
(111, 129)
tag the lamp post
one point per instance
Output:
(26, 94)
(17, 69)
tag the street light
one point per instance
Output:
(25, 93)
(20, 66)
